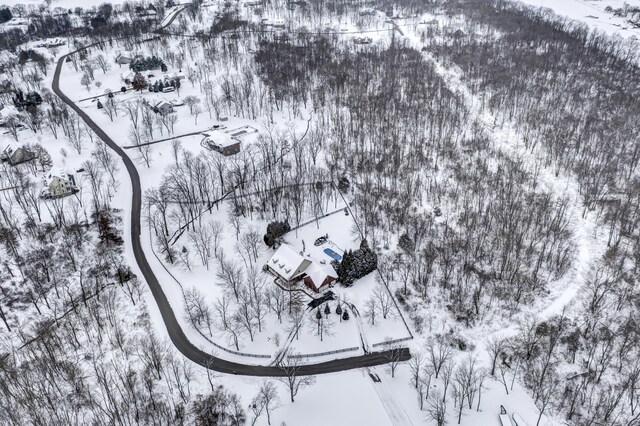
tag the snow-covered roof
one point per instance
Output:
(127, 75)
(317, 274)
(56, 173)
(163, 104)
(220, 139)
(8, 110)
(287, 263)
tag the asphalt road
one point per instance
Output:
(176, 334)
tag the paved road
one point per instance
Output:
(176, 334)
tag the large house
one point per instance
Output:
(59, 185)
(291, 268)
(18, 156)
(222, 142)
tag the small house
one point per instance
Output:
(127, 77)
(362, 40)
(146, 13)
(163, 108)
(459, 34)
(123, 59)
(222, 142)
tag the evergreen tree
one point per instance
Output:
(275, 230)
(406, 243)
(318, 314)
(327, 310)
(5, 15)
(345, 315)
(356, 264)
(343, 184)
(339, 310)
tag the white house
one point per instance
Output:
(58, 184)
(127, 77)
(292, 267)
(287, 264)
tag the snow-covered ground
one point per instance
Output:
(593, 14)
(353, 397)
(67, 4)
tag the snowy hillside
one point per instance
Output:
(310, 213)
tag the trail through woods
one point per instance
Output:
(590, 241)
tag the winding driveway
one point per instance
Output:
(176, 334)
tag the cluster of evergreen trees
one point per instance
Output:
(275, 230)
(159, 84)
(356, 264)
(5, 15)
(31, 99)
(140, 63)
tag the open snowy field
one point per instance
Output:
(593, 14)
(67, 4)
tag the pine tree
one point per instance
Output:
(5, 15)
(327, 310)
(345, 315)
(275, 230)
(318, 314)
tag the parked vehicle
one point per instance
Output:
(321, 240)
(168, 89)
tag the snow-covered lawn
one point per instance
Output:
(593, 14)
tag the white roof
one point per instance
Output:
(56, 173)
(221, 139)
(287, 263)
(317, 273)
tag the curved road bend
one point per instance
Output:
(176, 334)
